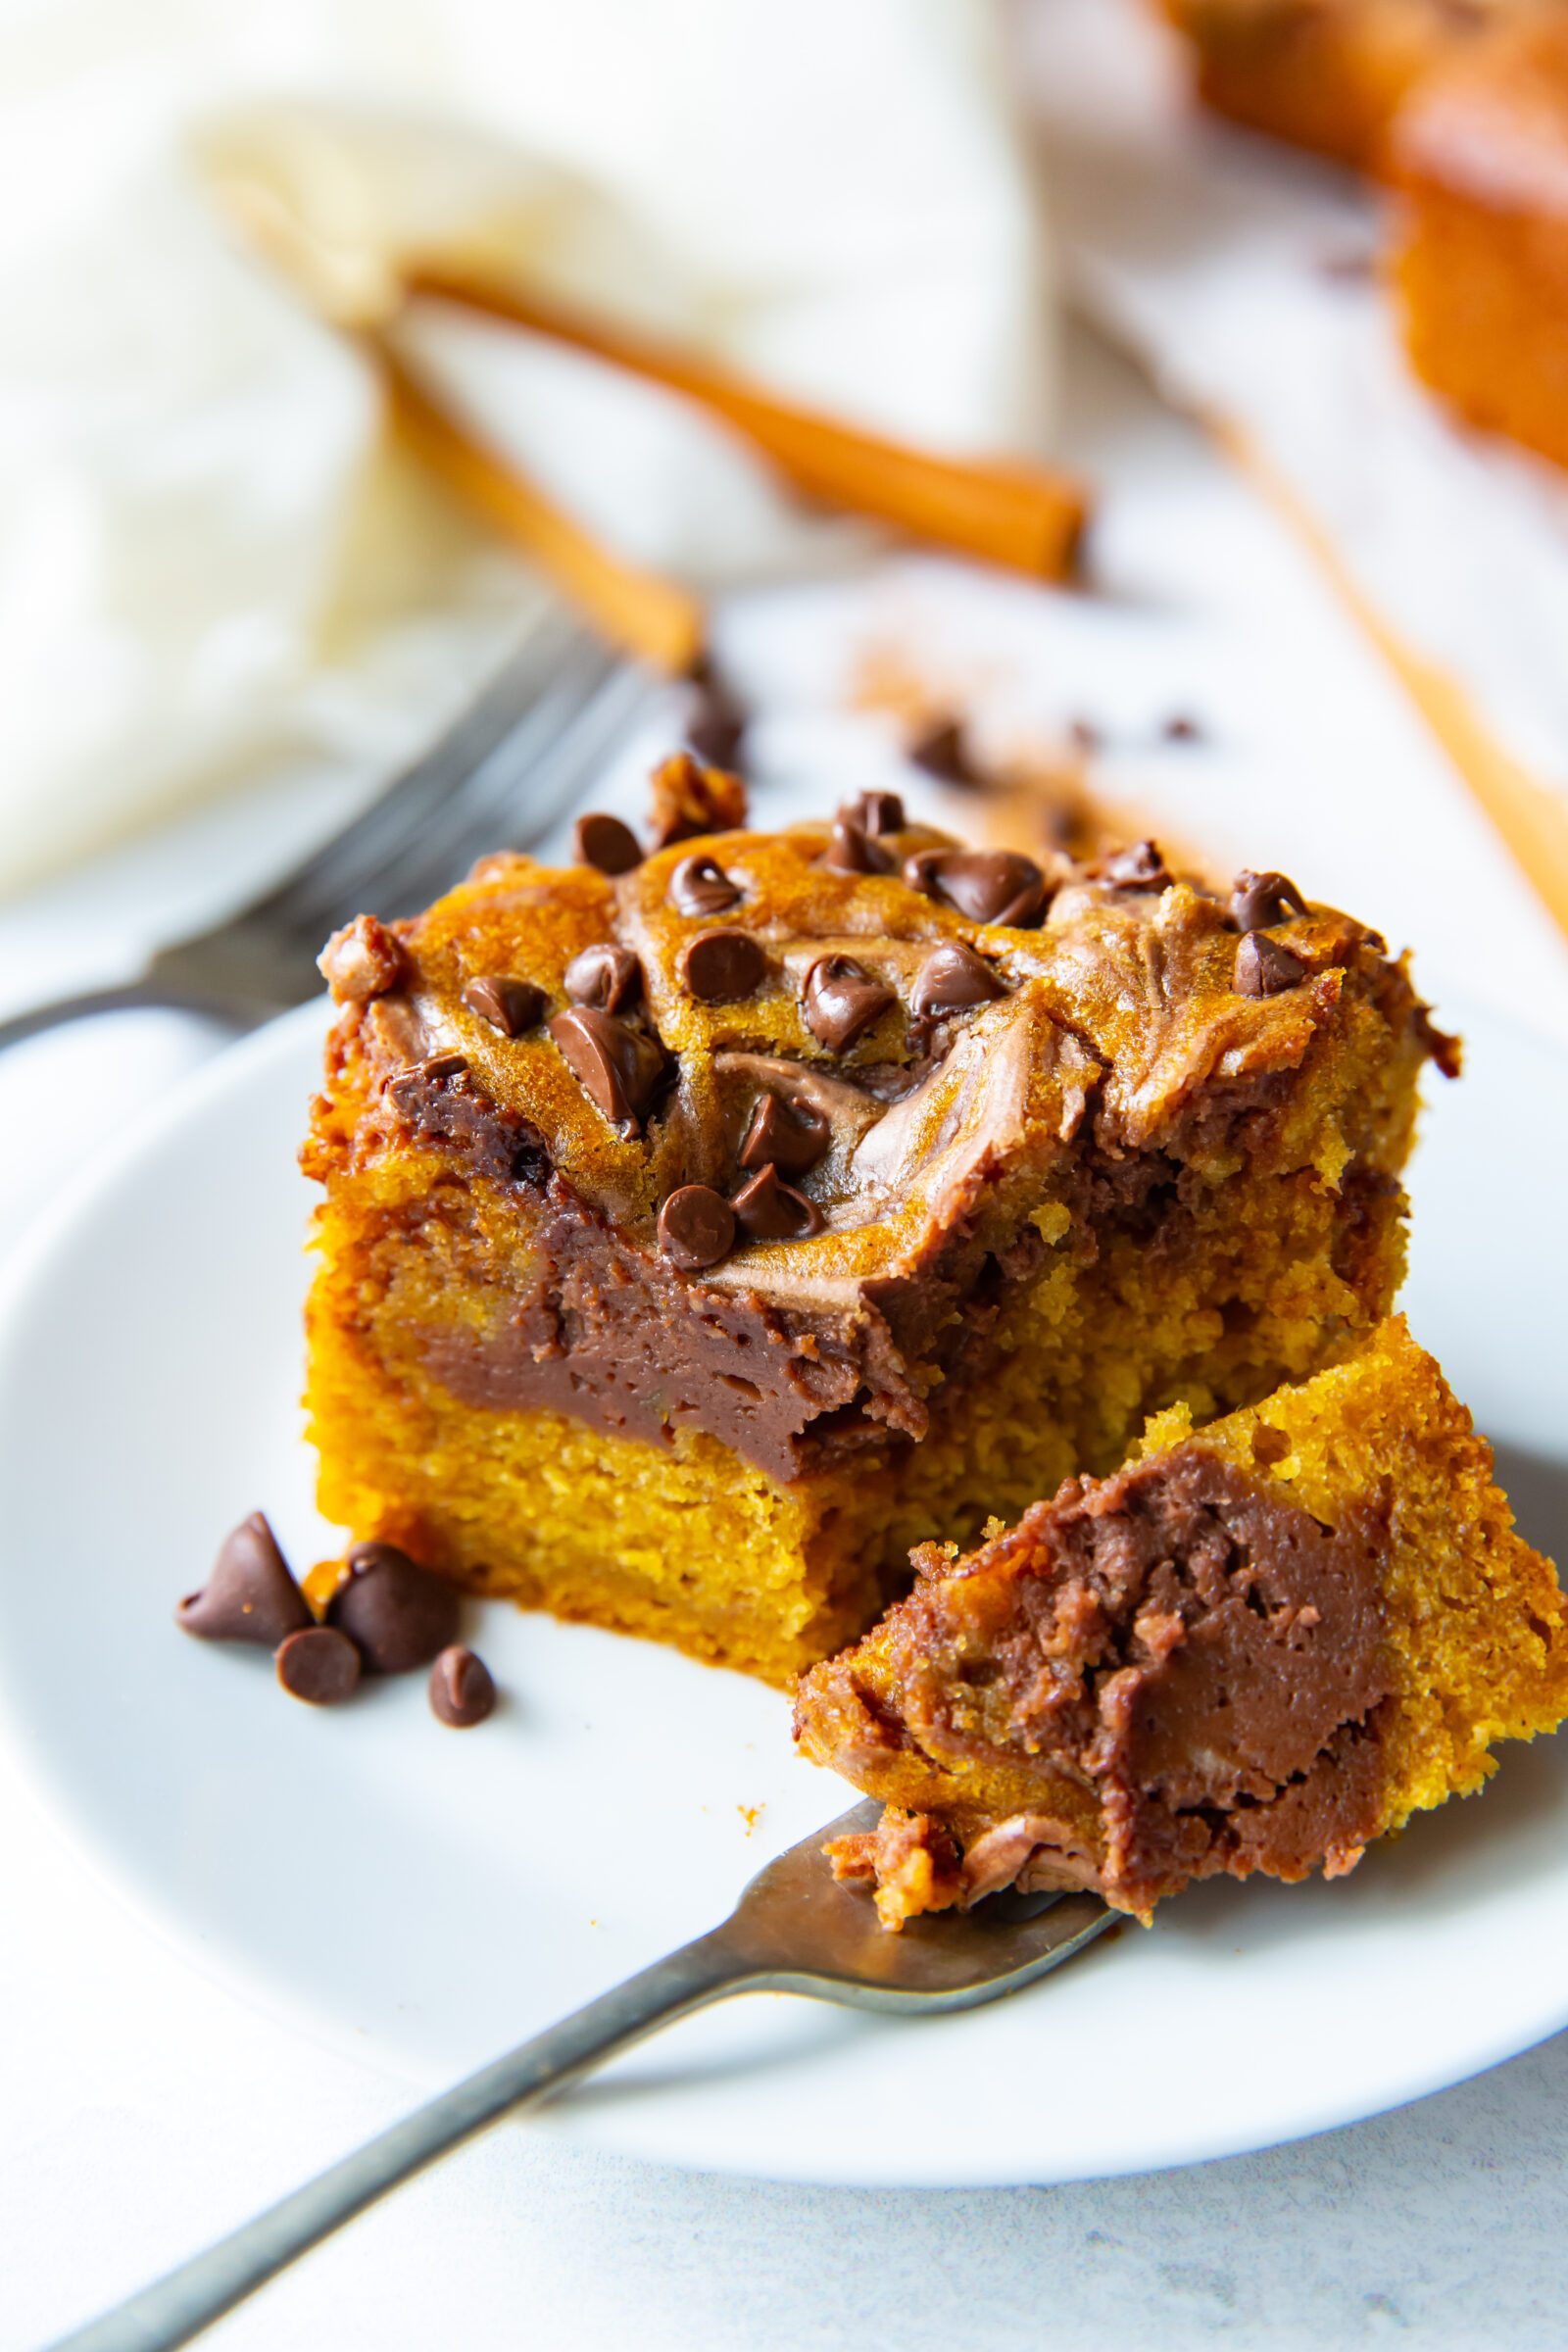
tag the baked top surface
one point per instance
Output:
(918, 1052)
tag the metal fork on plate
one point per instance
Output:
(501, 778)
(793, 1930)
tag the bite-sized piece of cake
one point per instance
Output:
(1480, 268)
(1329, 75)
(1258, 1646)
(702, 1234)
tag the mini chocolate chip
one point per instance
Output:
(700, 886)
(608, 978)
(766, 1211)
(397, 1613)
(249, 1595)
(1261, 901)
(988, 886)
(462, 1693)
(1181, 727)
(319, 1665)
(361, 961)
(840, 1001)
(793, 1135)
(696, 1228)
(1266, 967)
(719, 967)
(716, 726)
(854, 851)
(605, 842)
(618, 1069)
(952, 979)
(943, 751)
(509, 1006)
(876, 813)
(1142, 868)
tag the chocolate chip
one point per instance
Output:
(397, 1613)
(605, 842)
(840, 1001)
(608, 978)
(793, 1135)
(249, 1595)
(361, 961)
(700, 886)
(766, 1211)
(509, 1006)
(876, 813)
(462, 1693)
(943, 752)
(618, 1069)
(1084, 735)
(952, 979)
(1266, 967)
(988, 886)
(1142, 868)
(696, 1228)
(1181, 727)
(716, 726)
(719, 967)
(1259, 900)
(320, 1665)
(854, 851)
(409, 1090)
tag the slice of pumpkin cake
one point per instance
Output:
(1258, 1646)
(702, 1230)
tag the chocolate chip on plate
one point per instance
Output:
(319, 1665)
(793, 1135)
(249, 1595)
(1141, 868)
(509, 1006)
(943, 751)
(696, 1228)
(700, 886)
(606, 977)
(766, 1211)
(840, 1001)
(1261, 901)
(618, 1069)
(1266, 967)
(720, 967)
(462, 1693)
(988, 886)
(952, 979)
(603, 842)
(396, 1613)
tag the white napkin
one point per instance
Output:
(213, 575)
(1243, 275)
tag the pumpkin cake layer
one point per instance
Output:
(1330, 75)
(699, 1237)
(1257, 1646)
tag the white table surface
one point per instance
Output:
(144, 2110)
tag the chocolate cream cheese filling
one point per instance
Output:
(1177, 1650)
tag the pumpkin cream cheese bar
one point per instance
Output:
(704, 1230)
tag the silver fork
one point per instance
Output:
(793, 1930)
(500, 779)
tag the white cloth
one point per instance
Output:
(1245, 276)
(211, 572)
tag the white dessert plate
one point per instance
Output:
(432, 1896)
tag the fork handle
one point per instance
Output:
(184, 2302)
(135, 995)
